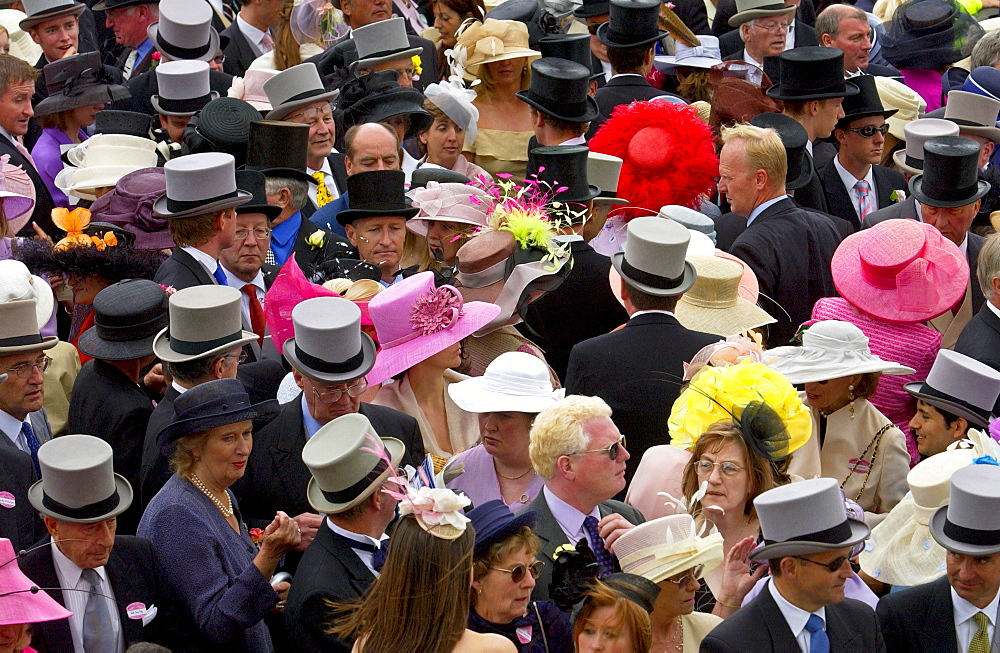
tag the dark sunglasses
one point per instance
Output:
(612, 450)
(518, 572)
(833, 566)
(869, 131)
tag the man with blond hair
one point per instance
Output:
(581, 455)
(788, 248)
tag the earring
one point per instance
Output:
(850, 396)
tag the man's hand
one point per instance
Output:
(309, 523)
(612, 527)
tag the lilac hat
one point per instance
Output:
(17, 193)
(414, 320)
(449, 203)
(130, 206)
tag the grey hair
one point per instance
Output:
(987, 50)
(988, 267)
(299, 189)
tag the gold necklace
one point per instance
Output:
(511, 478)
(227, 511)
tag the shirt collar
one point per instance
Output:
(286, 230)
(325, 168)
(11, 426)
(236, 282)
(570, 519)
(795, 616)
(143, 50)
(207, 262)
(357, 537)
(964, 247)
(762, 207)
(309, 422)
(652, 311)
(996, 311)
(252, 33)
(965, 610)
(68, 569)
(849, 179)
(8, 135)
(178, 387)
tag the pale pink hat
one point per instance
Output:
(250, 88)
(449, 203)
(17, 193)
(900, 271)
(414, 320)
(19, 604)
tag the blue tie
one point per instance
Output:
(219, 275)
(29, 437)
(818, 641)
(378, 553)
(605, 562)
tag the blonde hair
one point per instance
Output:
(357, 291)
(762, 150)
(182, 460)
(559, 431)
(488, 86)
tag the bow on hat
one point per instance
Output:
(73, 223)
(437, 203)
(916, 281)
(84, 80)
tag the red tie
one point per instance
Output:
(256, 312)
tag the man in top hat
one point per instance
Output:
(631, 362)
(351, 544)
(384, 45)
(583, 306)
(957, 612)
(960, 393)
(576, 48)
(788, 248)
(981, 336)
(762, 26)
(846, 28)
(976, 116)
(561, 109)
(808, 542)
(111, 583)
(107, 399)
(250, 34)
(183, 90)
(799, 34)
(130, 20)
(200, 207)
(329, 356)
(581, 455)
(595, 13)
(855, 184)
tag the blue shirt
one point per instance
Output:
(143, 50)
(326, 217)
(308, 421)
(283, 238)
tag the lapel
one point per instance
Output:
(773, 211)
(339, 170)
(305, 255)
(126, 591)
(938, 621)
(359, 576)
(286, 453)
(840, 632)
(883, 186)
(782, 638)
(838, 197)
(57, 636)
(975, 245)
(547, 528)
(193, 266)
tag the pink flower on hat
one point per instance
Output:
(436, 310)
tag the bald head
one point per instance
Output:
(372, 146)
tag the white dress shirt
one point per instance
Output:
(12, 427)
(965, 625)
(996, 311)
(606, 67)
(258, 284)
(796, 617)
(253, 35)
(790, 35)
(210, 264)
(365, 556)
(71, 577)
(756, 74)
(849, 180)
(331, 184)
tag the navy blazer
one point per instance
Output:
(839, 199)
(920, 618)
(981, 340)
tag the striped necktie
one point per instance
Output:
(865, 205)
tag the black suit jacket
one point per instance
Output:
(731, 44)
(920, 618)
(329, 571)
(906, 209)
(239, 52)
(728, 227)
(144, 86)
(582, 307)
(121, 423)
(637, 371)
(839, 200)
(621, 90)
(812, 196)
(140, 67)
(20, 524)
(759, 626)
(181, 270)
(789, 249)
(306, 255)
(980, 339)
(42, 213)
(134, 576)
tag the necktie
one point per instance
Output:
(322, 194)
(129, 63)
(32, 442)
(256, 311)
(98, 636)
(267, 43)
(981, 640)
(865, 206)
(219, 275)
(19, 146)
(605, 563)
(379, 553)
(818, 640)
(269, 257)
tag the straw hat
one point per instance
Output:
(665, 547)
(713, 304)
(250, 88)
(20, 602)
(103, 162)
(514, 381)
(494, 522)
(21, 44)
(490, 41)
(702, 56)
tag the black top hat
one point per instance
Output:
(865, 104)
(424, 174)
(633, 23)
(127, 316)
(375, 194)
(104, 5)
(77, 81)
(591, 8)
(225, 124)
(564, 166)
(812, 73)
(929, 34)
(559, 89)
(536, 17)
(252, 181)
(216, 403)
(950, 178)
(575, 47)
(279, 149)
(377, 97)
(131, 123)
(794, 137)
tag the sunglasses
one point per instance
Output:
(518, 572)
(612, 450)
(686, 578)
(833, 566)
(869, 131)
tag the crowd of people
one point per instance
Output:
(530, 325)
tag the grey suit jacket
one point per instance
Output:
(39, 421)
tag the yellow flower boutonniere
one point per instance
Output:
(417, 66)
(316, 239)
(562, 548)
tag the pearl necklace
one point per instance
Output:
(227, 511)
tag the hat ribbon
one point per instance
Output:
(351, 493)
(18, 341)
(970, 535)
(434, 312)
(177, 52)
(493, 274)
(833, 535)
(515, 386)
(655, 556)
(727, 302)
(189, 347)
(914, 282)
(178, 206)
(650, 279)
(328, 367)
(88, 511)
(931, 391)
(84, 80)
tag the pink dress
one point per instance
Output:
(913, 345)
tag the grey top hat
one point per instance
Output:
(19, 329)
(969, 524)
(747, 10)
(348, 461)
(690, 218)
(329, 345)
(803, 518)
(183, 88)
(198, 184)
(78, 483)
(204, 321)
(960, 385)
(184, 31)
(652, 258)
(603, 171)
(41, 10)
(974, 114)
(382, 41)
(127, 316)
(294, 88)
(918, 132)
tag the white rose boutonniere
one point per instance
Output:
(316, 239)
(897, 195)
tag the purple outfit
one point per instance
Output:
(926, 84)
(480, 479)
(48, 162)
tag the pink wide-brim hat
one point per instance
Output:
(900, 271)
(18, 603)
(414, 320)
(250, 88)
(18, 195)
(449, 202)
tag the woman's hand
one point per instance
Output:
(308, 523)
(280, 536)
(737, 581)
(41, 235)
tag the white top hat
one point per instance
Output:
(917, 133)
(198, 184)
(183, 88)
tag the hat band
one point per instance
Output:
(194, 347)
(968, 123)
(970, 535)
(656, 281)
(833, 535)
(728, 302)
(132, 332)
(350, 493)
(914, 162)
(17, 341)
(929, 390)
(327, 367)
(177, 52)
(483, 278)
(178, 206)
(88, 511)
(183, 105)
(516, 386)
(382, 53)
(304, 95)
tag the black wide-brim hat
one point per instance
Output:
(929, 34)
(591, 8)
(386, 104)
(127, 317)
(96, 93)
(794, 137)
(633, 23)
(950, 177)
(811, 73)
(216, 403)
(378, 193)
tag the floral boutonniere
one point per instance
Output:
(156, 56)
(256, 536)
(562, 548)
(417, 66)
(897, 195)
(316, 239)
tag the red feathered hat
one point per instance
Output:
(668, 152)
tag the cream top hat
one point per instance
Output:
(603, 171)
(653, 257)
(918, 132)
(183, 88)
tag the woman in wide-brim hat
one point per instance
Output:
(21, 605)
(449, 215)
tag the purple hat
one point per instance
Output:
(414, 320)
(451, 203)
(130, 206)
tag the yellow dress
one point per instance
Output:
(499, 151)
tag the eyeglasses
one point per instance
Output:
(259, 234)
(313, 116)
(773, 28)
(686, 578)
(219, 59)
(727, 467)
(869, 131)
(240, 357)
(24, 370)
(833, 566)
(335, 394)
(518, 572)
(612, 450)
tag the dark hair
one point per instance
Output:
(643, 301)
(193, 371)
(464, 8)
(867, 386)
(627, 60)
(578, 128)
(113, 264)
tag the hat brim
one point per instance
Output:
(846, 120)
(602, 36)
(859, 531)
(901, 551)
(795, 366)
(182, 428)
(104, 5)
(917, 190)
(731, 321)
(213, 46)
(523, 519)
(314, 494)
(198, 106)
(938, 520)
(916, 390)
(122, 487)
(160, 209)
(992, 133)
(161, 347)
(594, 9)
(74, 9)
(472, 397)
(689, 277)
(350, 215)
(279, 112)
(285, 173)
(419, 224)
(374, 61)
(96, 347)
(473, 69)
(108, 176)
(805, 177)
(899, 158)
(667, 63)
(366, 364)
(96, 94)
(745, 16)
(48, 342)
(390, 361)
(590, 114)
(778, 93)
(692, 552)
(269, 210)
(600, 199)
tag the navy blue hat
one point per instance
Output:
(984, 80)
(216, 403)
(494, 522)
